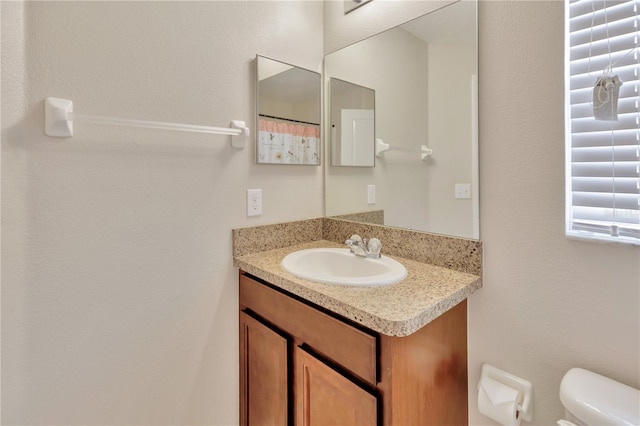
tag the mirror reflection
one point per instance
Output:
(424, 74)
(352, 124)
(288, 114)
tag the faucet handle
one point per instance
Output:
(355, 238)
(353, 242)
(374, 246)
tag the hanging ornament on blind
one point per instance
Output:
(607, 87)
(605, 98)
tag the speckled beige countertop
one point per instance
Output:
(395, 310)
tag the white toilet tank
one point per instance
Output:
(596, 400)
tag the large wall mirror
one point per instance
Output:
(424, 74)
(288, 114)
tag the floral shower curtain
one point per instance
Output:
(281, 142)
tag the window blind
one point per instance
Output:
(603, 157)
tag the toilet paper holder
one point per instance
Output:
(525, 407)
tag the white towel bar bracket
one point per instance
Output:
(382, 147)
(59, 118)
(425, 152)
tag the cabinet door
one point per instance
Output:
(325, 397)
(263, 374)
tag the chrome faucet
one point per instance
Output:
(363, 247)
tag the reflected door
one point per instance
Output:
(357, 134)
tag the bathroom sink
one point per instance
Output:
(340, 266)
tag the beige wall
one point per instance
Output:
(549, 303)
(118, 292)
(119, 300)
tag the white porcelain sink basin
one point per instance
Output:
(340, 266)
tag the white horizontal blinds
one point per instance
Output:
(604, 155)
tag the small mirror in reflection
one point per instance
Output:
(352, 124)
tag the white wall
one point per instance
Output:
(548, 303)
(118, 291)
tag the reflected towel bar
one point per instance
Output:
(59, 118)
(382, 147)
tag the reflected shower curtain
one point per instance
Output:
(281, 142)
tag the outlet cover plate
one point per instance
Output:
(254, 202)
(463, 191)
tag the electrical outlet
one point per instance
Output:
(371, 194)
(463, 191)
(254, 202)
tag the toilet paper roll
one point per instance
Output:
(498, 401)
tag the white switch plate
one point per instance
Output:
(371, 194)
(463, 191)
(254, 202)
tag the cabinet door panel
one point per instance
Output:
(324, 397)
(263, 374)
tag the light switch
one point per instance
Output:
(371, 194)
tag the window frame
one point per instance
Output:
(596, 233)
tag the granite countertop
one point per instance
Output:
(395, 310)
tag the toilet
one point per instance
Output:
(594, 400)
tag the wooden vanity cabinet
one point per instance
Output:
(303, 365)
